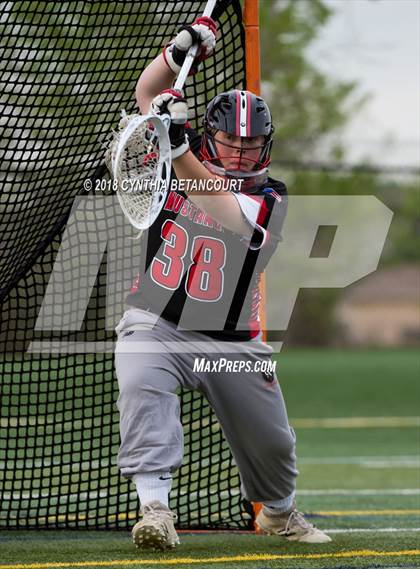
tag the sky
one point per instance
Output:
(377, 43)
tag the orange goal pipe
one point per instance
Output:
(253, 83)
(252, 46)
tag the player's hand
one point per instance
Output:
(201, 32)
(171, 102)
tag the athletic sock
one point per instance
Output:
(153, 486)
(282, 506)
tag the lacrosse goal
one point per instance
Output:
(69, 68)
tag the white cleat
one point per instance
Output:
(293, 526)
(156, 528)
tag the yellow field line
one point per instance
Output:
(190, 560)
(355, 422)
(366, 512)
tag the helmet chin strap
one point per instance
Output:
(212, 146)
(251, 181)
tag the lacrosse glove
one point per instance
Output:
(203, 32)
(171, 102)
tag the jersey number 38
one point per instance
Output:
(207, 258)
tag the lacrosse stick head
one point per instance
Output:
(139, 158)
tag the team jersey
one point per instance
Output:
(202, 276)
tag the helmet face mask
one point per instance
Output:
(243, 122)
(250, 181)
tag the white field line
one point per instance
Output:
(370, 530)
(357, 459)
(56, 421)
(355, 422)
(361, 492)
(410, 461)
(224, 494)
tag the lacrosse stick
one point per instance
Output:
(139, 156)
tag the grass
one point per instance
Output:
(65, 547)
(344, 383)
(360, 483)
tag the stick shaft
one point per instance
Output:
(186, 66)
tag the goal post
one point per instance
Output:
(63, 90)
(253, 83)
(252, 46)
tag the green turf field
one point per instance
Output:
(358, 447)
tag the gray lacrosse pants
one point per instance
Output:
(250, 409)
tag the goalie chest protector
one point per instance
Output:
(204, 277)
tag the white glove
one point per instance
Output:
(171, 102)
(203, 32)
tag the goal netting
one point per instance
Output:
(68, 68)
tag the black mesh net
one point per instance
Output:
(68, 68)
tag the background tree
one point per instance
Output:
(309, 109)
(307, 105)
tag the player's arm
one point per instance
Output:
(221, 206)
(157, 77)
(153, 92)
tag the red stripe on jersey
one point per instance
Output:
(263, 211)
(262, 214)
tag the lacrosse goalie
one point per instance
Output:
(206, 251)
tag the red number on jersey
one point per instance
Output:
(169, 273)
(205, 275)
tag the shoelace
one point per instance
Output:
(298, 519)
